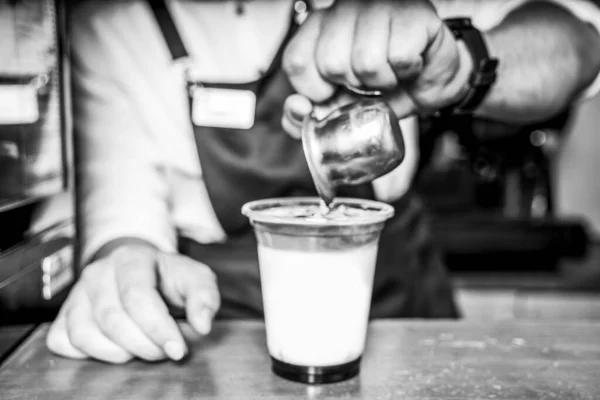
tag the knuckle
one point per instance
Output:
(209, 282)
(399, 59)
(155, 328)
(294, 62)
(211, 276)
(331, 66)
(109, 319)
(201, 274)
(152, 318)
(435, 26)
(210, 300)
(78, 336)
(365, 64)
(208, 293)
(132, 297)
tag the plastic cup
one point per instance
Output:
(316, 279)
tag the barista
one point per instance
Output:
(168, 156)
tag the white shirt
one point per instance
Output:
(142, 174)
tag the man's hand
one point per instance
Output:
(116, 310)
(402, 48)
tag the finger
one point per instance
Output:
(87, 337)
(57, 339)
(295, 108)
(110, 316)
(408, 41)
(299, 61)
(321, 111)
(118, 326)
(334, 47)
(370, 47)
(198, 288)
(147, 313)
(201, 308)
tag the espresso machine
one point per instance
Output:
(37, 207)
(489, 188)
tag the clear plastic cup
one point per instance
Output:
(316, 280)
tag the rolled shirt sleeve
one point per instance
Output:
(123, 188)
(123, 192)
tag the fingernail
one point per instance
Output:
(294, 117)
(175, 350)
(297, 116)
(205, 317)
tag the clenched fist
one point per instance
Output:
(401, 48)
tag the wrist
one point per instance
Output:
(121, 243)
(480, 70)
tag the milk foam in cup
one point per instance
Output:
(316, 277)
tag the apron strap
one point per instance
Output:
(169, 30)
(178, 50)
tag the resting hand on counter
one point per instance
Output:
(406, 50)
(117, 310)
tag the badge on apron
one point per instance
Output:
(18, 104)
(223, 108)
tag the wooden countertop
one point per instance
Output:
(404, 360)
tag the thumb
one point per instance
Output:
(193, 286)
(295, 108)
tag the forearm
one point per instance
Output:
(120, 209)
(544, 63)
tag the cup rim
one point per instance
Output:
(383, 211)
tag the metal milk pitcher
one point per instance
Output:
(354, 144)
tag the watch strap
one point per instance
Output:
(484, 67)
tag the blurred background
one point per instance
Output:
(515, 210)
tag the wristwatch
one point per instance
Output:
(484, 70)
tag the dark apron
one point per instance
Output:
(261, 162)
